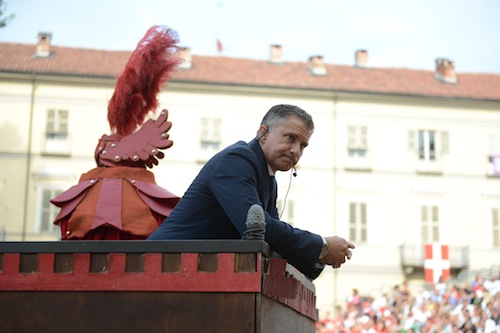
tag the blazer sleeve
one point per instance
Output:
(235, 182)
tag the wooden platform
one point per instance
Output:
(151, 286)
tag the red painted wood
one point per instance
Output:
(278, 284)
(188, 279)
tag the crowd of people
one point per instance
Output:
(437, 308)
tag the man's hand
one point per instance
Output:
(338, 250)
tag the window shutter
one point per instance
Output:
(495, 218)
(494, 144)
(364, 139)
(445, 142)
(363, 228)
(363, 213)
(435, 213)
(412, 144)
(352, 221)
(435, 224)
(291, 212)
(351, 139)
(63, 121)
(423, 213)
(50, 120)
(352, 213)
(204, 129)
(216, 129)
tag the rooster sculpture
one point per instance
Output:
(119, 199)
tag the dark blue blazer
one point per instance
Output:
(215, 206)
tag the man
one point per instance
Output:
(215, 206)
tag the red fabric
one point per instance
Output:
(109, 210)
(138, 149)
(108, 204)
(71, 198)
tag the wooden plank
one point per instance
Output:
(208, 262)
(139, 246)
(127, 312)
(134, 263)
(99, 272)
(245, 262)
(28, 263)
(63, 263)
(170, 262)
(275, 317)
(99, 263)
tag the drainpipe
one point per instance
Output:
(335, 188)
(28, 158)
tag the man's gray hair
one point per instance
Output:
(279, 113)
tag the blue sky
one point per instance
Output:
(396, 33)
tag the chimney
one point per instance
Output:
(316, 65)
(361, 58)
(276, 54)
(43, 46)
(445, 70)
(185, 54)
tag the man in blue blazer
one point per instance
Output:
(215, 205)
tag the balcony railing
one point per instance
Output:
(412, 255)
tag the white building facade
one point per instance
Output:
(390, 171)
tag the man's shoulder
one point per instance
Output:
(240, 146)
(239, 150)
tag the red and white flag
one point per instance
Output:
(219, 46)
(437, 262)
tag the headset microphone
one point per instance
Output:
(294, 172)
(261, 135)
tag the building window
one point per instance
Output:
(56, 132)
(495, 227)
(48, 211)
(210, 140)
(429, 217)
(357, 222)
(430, 146)
(57, 124)
(357, 141)
(427, 145)
(493, 160)
(357, 148)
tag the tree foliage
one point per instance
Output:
(4, 18)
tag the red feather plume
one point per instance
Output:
(148, 69)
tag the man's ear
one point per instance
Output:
(262, 132)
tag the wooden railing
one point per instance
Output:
(157, 286)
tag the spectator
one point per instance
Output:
(474, 307)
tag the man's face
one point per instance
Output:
(284, 144)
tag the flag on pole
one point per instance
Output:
(219, 46)
(437, 262)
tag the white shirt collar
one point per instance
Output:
(271, 172)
